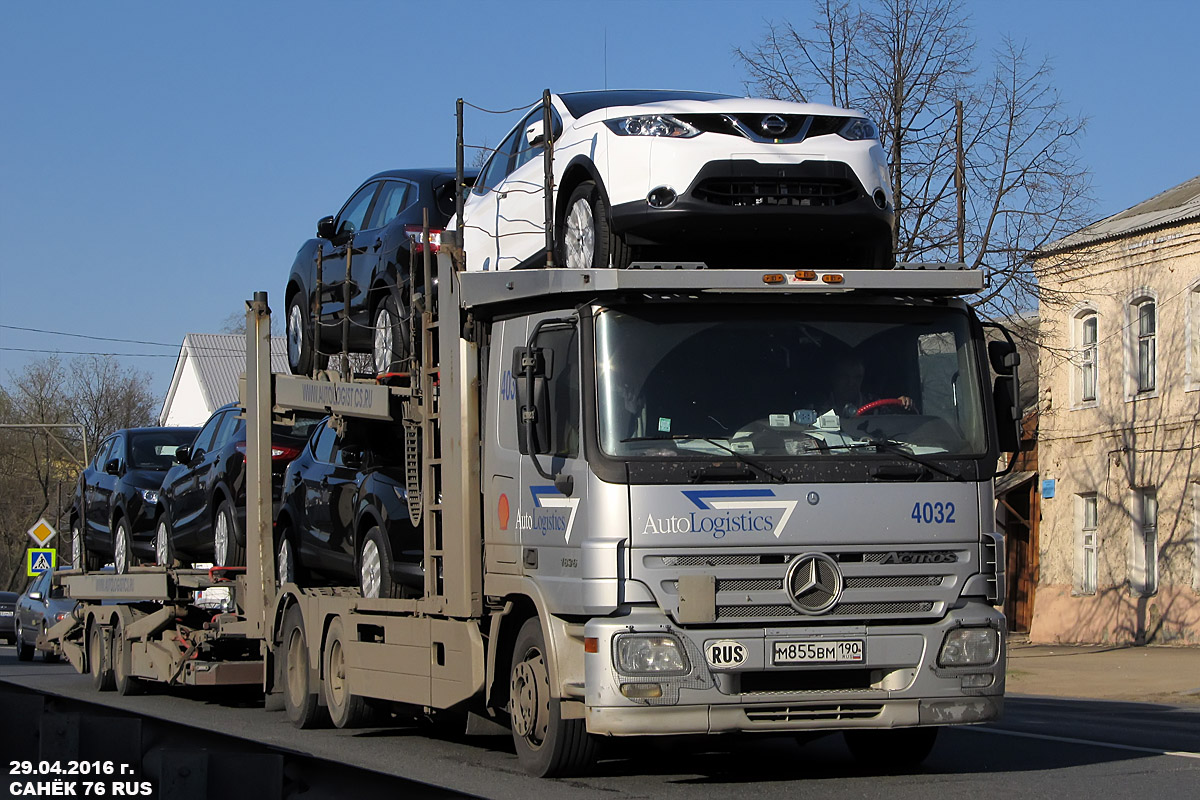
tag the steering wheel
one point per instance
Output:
(881, 403)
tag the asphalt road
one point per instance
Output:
(1045, 747)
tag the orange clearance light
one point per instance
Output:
(805, 275)
(591, 644)
(832, 278)
(773, 278)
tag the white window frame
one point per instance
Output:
(1133, 345)
(1144, 572)
(1087, 516)
(1192, 337)
(1086, 355)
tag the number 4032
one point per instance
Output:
(933, 513)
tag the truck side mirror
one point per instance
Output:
(533, 413)
(1008, 415)
(1004, 357)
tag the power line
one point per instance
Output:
(86, 336)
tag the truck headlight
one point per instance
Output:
(969, 647)
(649, 654)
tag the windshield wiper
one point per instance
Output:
(739, 456)
(897, 448)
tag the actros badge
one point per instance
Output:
(725, 654)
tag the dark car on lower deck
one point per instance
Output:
(343, 515)
(116, 500)
(204, 495)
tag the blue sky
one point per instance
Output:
(159, 162)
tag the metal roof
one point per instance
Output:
(1176, 205)
(220, 360)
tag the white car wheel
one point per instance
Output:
(579, 242)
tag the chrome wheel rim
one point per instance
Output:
(370, 570)
(121, 550)
(295, 335)
(77, 547)
(285, 562)
(580, 238)
(383, 340)
(160, 544)
(221, 539)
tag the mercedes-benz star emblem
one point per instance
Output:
(813, 583)
(773, 124)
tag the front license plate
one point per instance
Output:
(6, 613)
(822, 652)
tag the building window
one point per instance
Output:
(1145, 555)
(1087, 338)
(1087, 544)
(1145, 355)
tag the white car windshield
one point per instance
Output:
(801, 381)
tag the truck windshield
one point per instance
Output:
(803, 381)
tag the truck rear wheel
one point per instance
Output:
(99, 660)
(299, 697)
(122, 665)
(892, 749)
(548, 746)
(346, 709)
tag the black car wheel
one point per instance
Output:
(24, 651)
(375, 565)
(389, 346)
(586, 240)
(123, 557)
(226, 550)
(82, 558)
(300, 345)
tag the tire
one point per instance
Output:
(82, 558)
(123, 557)
(547, 745)
(892, 749)
(99, 661)
(48, 656)
(346, 709)
(164, 546)
(226, 550)
(301, 352)
(285, 559)
(585, 239)
(125, 683)
(389, 342)
(24, 651)
(299, 696)
(375, 565)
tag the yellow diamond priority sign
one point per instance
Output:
(42, 533)
(38, 560)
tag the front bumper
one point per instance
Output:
(898, 683)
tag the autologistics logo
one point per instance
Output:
(553, 512)
(722, 512)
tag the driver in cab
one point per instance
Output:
(845, 395)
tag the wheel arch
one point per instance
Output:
(578, 170)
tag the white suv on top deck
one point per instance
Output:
(685, 176)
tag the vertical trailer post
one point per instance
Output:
(260, 553)
(548, 164)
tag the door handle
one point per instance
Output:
(378, 243)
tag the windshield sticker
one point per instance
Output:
(553, 512)
(779, 420)
(664, 424)
(829, 421)
(804, 416)
(725, 511)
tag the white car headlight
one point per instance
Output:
(858, 129)
(150, 496)
(645, 654)
(969, 647)
(652, 125)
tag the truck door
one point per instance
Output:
(550, 521)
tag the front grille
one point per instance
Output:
(878, 609)
(798, 127)
(798, 680)
(752, 192)
(893, 581)
(749, 612)
(750, 585)
(705, 561)
(806, 713)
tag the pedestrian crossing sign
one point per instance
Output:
(38, 560)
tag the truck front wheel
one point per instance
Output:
(892, 749)
(346, 709)
(548, 746)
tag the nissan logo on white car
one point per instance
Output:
(773, 124)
